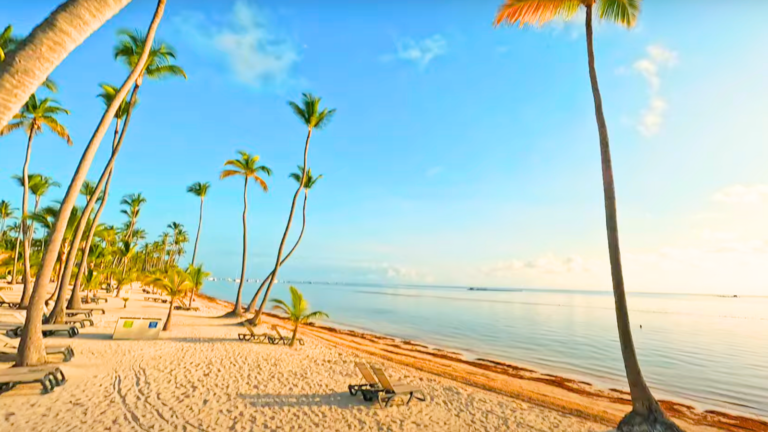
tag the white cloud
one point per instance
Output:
(652, 116)
(398, 272)
(742, 194)
(255, 53)
(548, 264)
(419, 52)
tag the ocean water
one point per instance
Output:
(708, 351)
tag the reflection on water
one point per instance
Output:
(707, 350)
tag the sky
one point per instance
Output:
(460, 154)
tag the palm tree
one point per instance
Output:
(175, 283)
(646, 413)
(107, 95)
(31, 349)
(124, 251)
(39, 185)
(8, 43)
(314, 118)
(200, 190)
(134, 203)
(122, 279)
(6, 212)
(298, 311)
(248, 167)
(309, 182)
(197, 277)
(33, 116)
(48, 44)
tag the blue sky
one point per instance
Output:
(460, 154)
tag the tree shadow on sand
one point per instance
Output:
(341, 400)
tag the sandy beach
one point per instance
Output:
(198, 376)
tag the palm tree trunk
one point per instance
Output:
(57, 315)
(167, 325)
(293, 336)
(31, 350)
(25, 232)
(255, 299)
(27, 67)
(199, 226)
(257, 317)
(16, 256)
(644, 405)
(237, 311)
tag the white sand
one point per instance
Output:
(200, 377)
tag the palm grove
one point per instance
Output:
(119, 255)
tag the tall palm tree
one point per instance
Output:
(9, 42)
(133, 202)
(298, 311)
(39, 185)
(313, 118)
(48, 44)
(247, 166)
(198, 189)
(179, 237)
(33, 116)
(6, 212)
(197, 277)
(107, 96)
(309, 182)
(646, 413)
(175, 283)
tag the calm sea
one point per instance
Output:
(709, 351)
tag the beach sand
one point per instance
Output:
(198, 376)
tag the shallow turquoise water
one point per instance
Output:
(706, 350)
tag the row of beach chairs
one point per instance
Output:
(274, 339)
(377, 386)
(48, 376)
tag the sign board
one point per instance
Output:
(137, 328)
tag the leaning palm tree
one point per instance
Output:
(48, 44)
(35, 114)
(247, 166)
(198, 189)
(313, 118)
(646, 413)
(8, 43)
(175, 283)
(133, 202)
(123, 113)
(309, 182)
(197, 277)
(298, 311)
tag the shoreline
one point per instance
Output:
(574, 397)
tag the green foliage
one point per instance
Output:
(108, 94)
(161, 56)
(37, 113)
(298, 311)
(308, 111)
(174, 283)
(199, 189)
(248, 167)
(197, 276)
(309, 180)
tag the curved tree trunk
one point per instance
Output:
(293, 336)
(57, 315)
(74, 300)
(257, 317)
(31, 351)
(238, 310)
(167, 325)
(25, 232)
(199, 226)
(255, 299)
(16, 257)
(28, 66)
(645, 408)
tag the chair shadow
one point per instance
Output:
(341, 400)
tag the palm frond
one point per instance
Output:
(299, 111)
(260, 181)
(230, 173)
(324, 118)
(12, 126)
(162, 71)
(535, 12)
(50, 85)
(57, 128)
(623, 12)
(314, 315)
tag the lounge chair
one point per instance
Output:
(391, 390)
(370, 382)
(10, 378)
(75, 312)
(11, 346)
(97, 299)
(285, 340)
(252, 336)
(69, 319)
(10, 304)
(58, 375)
(48, 329)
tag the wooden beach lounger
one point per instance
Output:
(10, 378)
(10, 304)
(98, 299)
(252, 336)
(11, 346)
(48, 329)
(58, 375)
(392, 390)
(285, 340)
(370, 382)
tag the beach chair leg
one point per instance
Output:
(47, 383)
(409, 398)
(352, 389)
